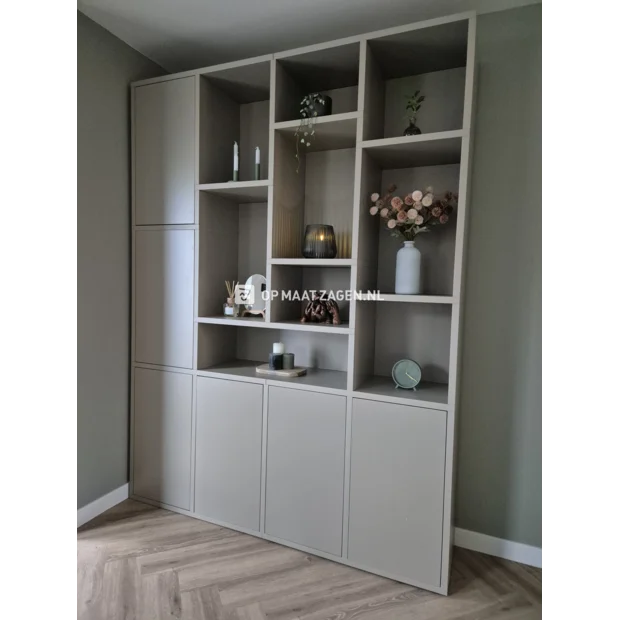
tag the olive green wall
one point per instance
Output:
(499, 461)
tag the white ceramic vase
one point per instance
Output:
(408, 270)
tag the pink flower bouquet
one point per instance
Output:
(414, 213)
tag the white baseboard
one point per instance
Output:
(507, 549)
(94, 509)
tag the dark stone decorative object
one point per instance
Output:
(321, 310)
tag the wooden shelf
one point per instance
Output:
(313, 262)
(414, 299)
(330, 380)
(433, 149)
(245, 321)
(429, 395)
(238, 191)
(296, 325)
(337, 131)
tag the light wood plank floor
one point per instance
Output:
(144, 563)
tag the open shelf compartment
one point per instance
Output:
(431, 60)
(231, 247)
(330, 70)
(317, 189)
(234, 107)
(299, 282)
(377, 248)
(387, 333)
(235, 351)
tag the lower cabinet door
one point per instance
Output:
(229, 428)
(305, 468)
(162, 436)
(397, 490)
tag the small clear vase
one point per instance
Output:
(231, 309)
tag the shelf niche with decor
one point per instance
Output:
(231, 246)
(316, 189)
(237, 350)
(331, 70)
(432, 60)
(378, 247)
(234, 107)
(386, 333)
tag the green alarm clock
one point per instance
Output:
(407, 374)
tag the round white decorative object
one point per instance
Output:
(259, 283)
(278, 347)
(408, 270)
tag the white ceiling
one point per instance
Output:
(187, 34)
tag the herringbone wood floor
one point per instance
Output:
(144, 563)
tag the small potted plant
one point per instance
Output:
(414, 103)
(312, 106)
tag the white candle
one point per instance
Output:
(278, 347)
(236, 157)
(257, 160)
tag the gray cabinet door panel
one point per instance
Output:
(164, 134)
(162, 436)
(229, 423)
(164, 289)
(305, 468)
(396, 490)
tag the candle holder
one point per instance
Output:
(319, 242)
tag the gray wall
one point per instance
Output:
(499, 464)
(105, 67)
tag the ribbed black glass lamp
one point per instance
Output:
(319, 242)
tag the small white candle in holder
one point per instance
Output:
(278, 347)
(236, 157)
(257, 156)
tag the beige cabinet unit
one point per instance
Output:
(337, 462)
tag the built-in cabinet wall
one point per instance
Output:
(337, 462)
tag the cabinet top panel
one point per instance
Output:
(326, 46)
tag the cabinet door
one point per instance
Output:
(162, 436)
(164, 326)
(305, 468)
(229, 429)
(164, 134)
(396, 492)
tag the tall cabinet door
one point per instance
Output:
(398, 458)
(162, 436)
(164, 297)
(164, 162)
(305, 468)
(229, 435)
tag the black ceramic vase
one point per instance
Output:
(412, 130)
(321, 109)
